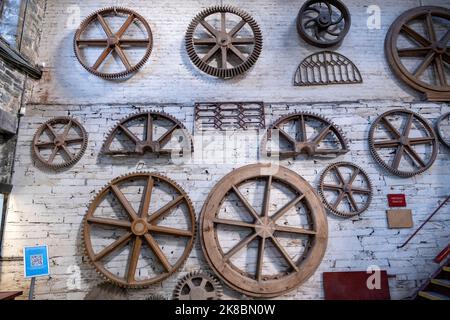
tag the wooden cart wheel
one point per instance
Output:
(301, 216)
(139, 227)
(418, 50)
(111, 42)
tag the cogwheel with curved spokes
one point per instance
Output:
(323, 23)
(304, 133)
(342, 195)
(198, 285)
(403, 142)
(139, 229)
(131, 42)
(223, 41)
(60, 142)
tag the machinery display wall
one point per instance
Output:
(49, 207)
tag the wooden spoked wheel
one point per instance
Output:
(418, 50)
(403, 142)
(124, 209)
(290, 209)
(114, 42)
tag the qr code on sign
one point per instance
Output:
(37, 261)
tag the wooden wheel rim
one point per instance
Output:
(441, 136)
(431, 136)
(128, 69)
(228, 273)
(123, 282)
(392, 50)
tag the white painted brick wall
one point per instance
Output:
(48, 207)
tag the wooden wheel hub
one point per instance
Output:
(265, 228)
(139, 227)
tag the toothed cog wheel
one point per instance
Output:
(198, 286)
(139, 229)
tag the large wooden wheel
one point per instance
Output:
(418, 50)
(123, 208)
(275, 265)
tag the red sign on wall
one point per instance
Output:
(397, 200)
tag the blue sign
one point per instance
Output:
(36, 262)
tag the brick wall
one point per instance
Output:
(48, 207)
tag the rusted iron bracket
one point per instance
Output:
(17, 60)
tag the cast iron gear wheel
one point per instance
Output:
(346, 188)
(62, 137)
(323, 23)
(403, 143)
(140, 227)
(444, 137)
(301, 142)
(113, 42)
(148, 143)
(198, 285)
(221, 42)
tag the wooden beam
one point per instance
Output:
(8, 123)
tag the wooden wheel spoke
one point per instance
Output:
(352, 201)
(125, 26)
(166, 209)
(242, 41)
(236, 223)
(425, 64)
(102, 58)
(129, 134)
(322, 134)
(165, 138)
(134, 259)
(296, 230)
(208, 27)
(116, 245)
(440, 71)
(391, 127)
(266, 204)
(237, 28)
(246, 204)
(124, 202)
(171, 231)
(415, 36)
(123, 57)
(237, 52)
(204, 41)
(147, 198)
(110, 222)
(207, 57)
(332, 187)
(105, 25)
(158, 252)
(386, 144)
(424, 140)
(243, 243)
(408, 125)
(284, 253)
(430, 28)
(92, 42)
(287, 207)
(414, 52)
(53, 155)
(339, 200)
(415, 157)
(398, 156)
(134, 42)
(260, 258)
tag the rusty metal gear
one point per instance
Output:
(402, 143)
(156, 296)
(417, 49)
(244, 49)
(114, 42)
(302, 142)
(444, 137)
(139, 130)
(62, 138)
(198, 285)
(140, 226)
(323, 23)
(346, 189)
(267, 226)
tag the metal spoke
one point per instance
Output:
(285, 254)
(415, 36)
(339, 175)
(408, 125)
(414, 52)
(302, 124)
(224, 60)
(205, 41)
(322, 134)
(439, 64)
(110, 222)
(123, 57)
(132, 266)
(237, 52)
(129, 134)
(398, 156)
(223, 22)
(425, 140)
(50, 144)
(210, 53)
(354, 175)
(134, 42)
(244, 242)
(165, 138)
(352, 201)
(104, 25)
(208, 27)
(53, 155)
(102, 58)
(339, 200)
(391, 128)
(119, 243)
(52, 131)
(237, 28)
(360, 190)
(425, 64)
(386, 144)
(125, 26)
(430, 27)
(147, 198)
(333, 187)
(286, 135)
(413, 154)
(158, 252)
(124, 202)
(166, 209)
(67, 152)
(149, 128)
(74, 140)
(93, 42)
(287, 207)
(242, 41)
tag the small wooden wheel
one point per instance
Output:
(122, 214)
(119, 42)
(418, 51)
(281, 238)
(403, 143)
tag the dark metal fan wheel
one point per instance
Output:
(323, 23)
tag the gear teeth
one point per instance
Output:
(156, 296)
(66, 163)
(326, 202)
(112, 132)
(340, 135)
(92, 207)
(218, 72)
(389, 168)
(118, 75)
(215, 283)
